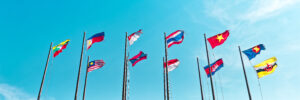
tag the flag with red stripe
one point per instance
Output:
(172, 64)
(93, 65)
(137, 58)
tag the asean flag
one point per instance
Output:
(95, 38)
(218, 39)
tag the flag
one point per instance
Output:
(137, 58)
(134, 36)
(58, 48)
(218, 39)
(214, 67)
(252, 52)
(266, 67)
(93, 65)
(95, 38)
(172, 64)
(175, 38)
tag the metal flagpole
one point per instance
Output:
(42, 83)
(86, 75)
(78, 77)
(249, 94)
(167, 76)
(125, 71)
(200, 79)
(164, 79)
(211, 80)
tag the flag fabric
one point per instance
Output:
(95, 38)
(214, 67)
(137, 58)
(58, 48)
(218, 39)
(134, 36)
(266, 67)
(172, 64)
(175, 38)
(252, 52)
(93, 65)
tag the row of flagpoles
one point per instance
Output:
(262, 69)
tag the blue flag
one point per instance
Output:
(252, 52)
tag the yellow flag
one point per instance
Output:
(266, 67)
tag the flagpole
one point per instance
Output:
(125, 71)
(42, 83)
(86, 75)
(200, 79)
(167, 73)
(211, 80)
(164, 79)
(78, 77)
(249, 94)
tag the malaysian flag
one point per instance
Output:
(93, 65)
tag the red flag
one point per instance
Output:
(218, 39)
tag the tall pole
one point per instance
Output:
(167, 73)
(200, 79)
(249, 94)
(164, 78)
(86, 76)
(78, 77)
(211, 80)
(42, 83)
(125, 71)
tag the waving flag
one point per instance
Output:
(172, 64)
(266, 67)
(58, 48)
(137, 58)
(218, 39)
(95, 38)
(214, 67)
(134, 36)
(252, 52)
(93, 65)
(175, 38)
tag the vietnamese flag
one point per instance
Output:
(218, 39)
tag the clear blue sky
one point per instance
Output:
(28, 27)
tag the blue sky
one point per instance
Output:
(28, 27)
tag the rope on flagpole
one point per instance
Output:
(128, 81)
(220, 80)
(170, 88)
(216, 85)
(262, 98)
(208, 86)
(128, 74)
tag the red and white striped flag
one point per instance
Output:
(93, 65)
(134, 36)
(172, 64)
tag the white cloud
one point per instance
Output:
(13, 93)
(265, 8)
(246, 11)
(9, 92)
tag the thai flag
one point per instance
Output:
(134, 36)
(175, 38)
(214, 67)
(95, 38)
(137, 58)
(172, 64)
